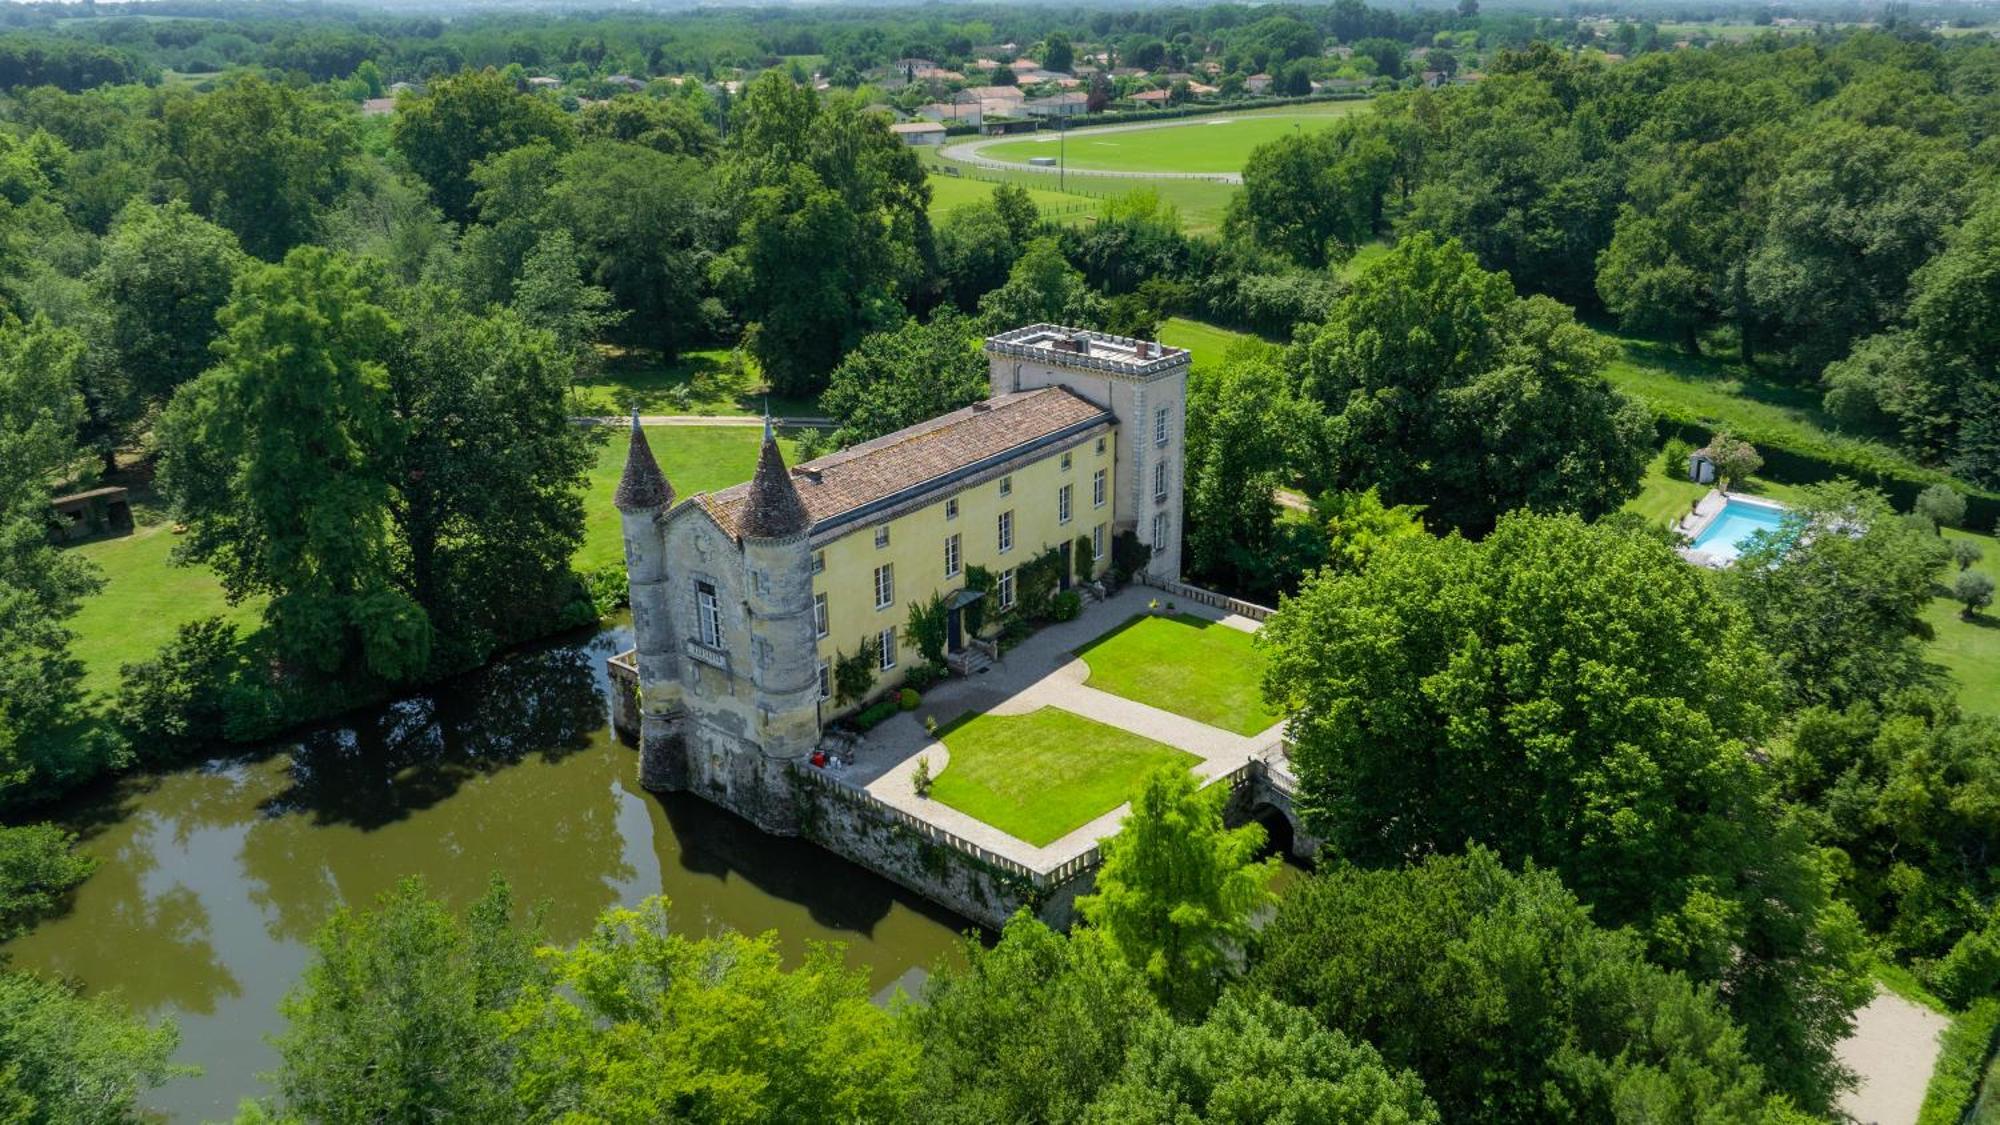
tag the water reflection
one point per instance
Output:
(214, 878)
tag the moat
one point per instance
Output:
(215, 877)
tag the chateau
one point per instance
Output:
(743, 600)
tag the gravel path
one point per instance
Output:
(1893, 1050)
(968, 152)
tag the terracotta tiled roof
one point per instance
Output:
(925, 453)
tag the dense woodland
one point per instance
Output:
(1633, 835)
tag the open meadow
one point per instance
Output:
(1198, 144)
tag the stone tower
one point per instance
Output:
(1144, 384)
(784, 648)
(643, 498)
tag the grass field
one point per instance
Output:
(1210, 343)
(1198, 669)
(949, 192)
(1043, 775)
(1200, 203)
(145, 598)
(1205, 144)
(704, 381)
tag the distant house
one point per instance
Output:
(404, 88)
(914, 64)
(1257, 83)
(1153, 98)
(953, 113)
(996, 93)
(1201, 90)
(625, 82)
(378, 107)
(1000, 107)
(936, 74)
(914, 133)
(543, 82)
(1057, 105)
(1001, 126)
(1127, 72)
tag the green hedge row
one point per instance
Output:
(1965, 1047)
(1863, 462)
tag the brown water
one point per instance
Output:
(215, 878)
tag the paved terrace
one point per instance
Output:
(1042, 672)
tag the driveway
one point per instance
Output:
(1893, 1050)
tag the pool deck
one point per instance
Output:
(1705, 512)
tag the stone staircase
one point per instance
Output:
(977, 657)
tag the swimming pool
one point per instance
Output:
(1738, 520)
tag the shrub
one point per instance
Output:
(1066, 606)
(924, 677)
(1962, 1056)
(1969, 971)
(928, 628)
(1082, 559)
(984, 581)
(1674, 465)
(921, 780)
(1128, 553)
(875, 714)
(907, 699)
(183, 697)
(1942, 504)
(854, 675)
(1974, 589)
(1735, 460)
(1965, 552)
(608, 588)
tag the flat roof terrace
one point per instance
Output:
(1080, 347)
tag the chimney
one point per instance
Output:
(1145, 349)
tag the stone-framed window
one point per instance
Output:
(886, 642)
(1063, 504)
(951, 508)
(1007, 485)
(708, 613)
(1160, 426)
(825, 681)
(1160, 482)
(1097, 543)
(885, 585)
(882, 537)
(819, 562)
(820, 627)
(1097, 489)
(1159, 533)
(954, 557)
(1065, 463)
(1006, 536)
(1006, 589)
(1100, 447)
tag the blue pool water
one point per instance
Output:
(1724, 536)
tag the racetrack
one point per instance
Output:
(1188, 154)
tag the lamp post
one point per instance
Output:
(1062, 147)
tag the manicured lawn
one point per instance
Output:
(1042, 775)
(145, 598)
(1198, 669)
(1200, 203)
(1207, 144)
(704, 381)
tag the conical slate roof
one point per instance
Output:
(774, 510)
(642, 487)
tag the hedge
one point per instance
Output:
(1866, 463)
(1965, 1046)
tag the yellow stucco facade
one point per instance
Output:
(848, 609)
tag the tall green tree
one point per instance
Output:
(832, 230)
(66, 1058)
(1444, 389)
(1500, 991)
(1177, 889)
(1838, 592)
(1575, 695)
(464, 119)
(1248, 434)
(901, 377)
(1042, 288)
(1315, 197)
(261, 159)
(401, 1015)
(163, 276)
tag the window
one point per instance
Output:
(1006, 531)
(1097, 489)
(886, 641)
(1007, 588)
(1160, 426)
(1097, 542)
(882, 536)
(1100, 447)
(885, 585)
(819, 616)
(951, 556)
(1006, 486)
(951, 508)
(819, 561)
(1062, 504)
(825, 681)
(1159, 533)
(1065, 463)
(708, 612)
(1160, 481)
(760, 581)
